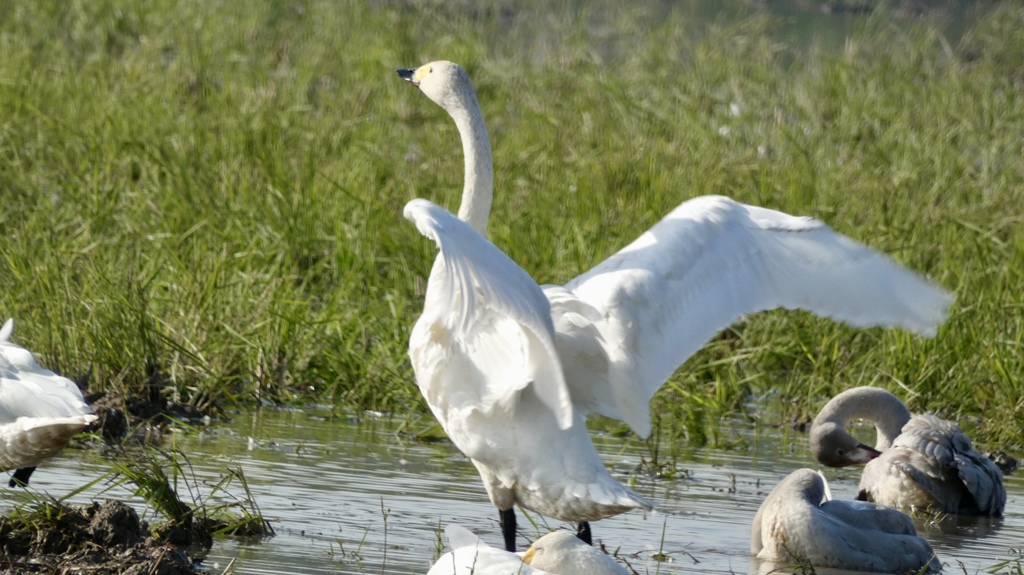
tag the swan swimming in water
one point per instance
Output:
(563, 553)
(40, 411)
(622, 328)
(471, 556)
(799, 521)
(557, 553)
(919, 462)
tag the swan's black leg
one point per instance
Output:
(20, 477)
(508, 528)
(583, 532)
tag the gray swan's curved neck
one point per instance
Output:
(478, 191)
(884, 410)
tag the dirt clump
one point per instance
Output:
(99, 538)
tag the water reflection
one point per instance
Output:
(349, 496)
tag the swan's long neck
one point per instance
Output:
(883, 409)
(478, 192)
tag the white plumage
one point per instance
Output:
(799, 522)
(623, 327)
(557, 553)
(471, 556)
(563, 553)
(485, 360)
(40, 411)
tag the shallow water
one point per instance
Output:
(322, 482)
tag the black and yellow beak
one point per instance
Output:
(408, 74)
(415, 75)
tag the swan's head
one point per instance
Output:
(832, 445)
(446, 83)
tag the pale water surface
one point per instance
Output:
(322, 481)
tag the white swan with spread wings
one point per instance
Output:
(622, 328)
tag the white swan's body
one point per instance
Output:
(485, 360)
(622, 328)
(40, 411)
(563, 553)
(471, 556)
(798, 522)
(919, 462)
(557, 553)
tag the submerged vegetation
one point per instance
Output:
(202, 200)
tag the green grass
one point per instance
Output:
(210, 193)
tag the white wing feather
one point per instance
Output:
(626, 325)
(486, 315)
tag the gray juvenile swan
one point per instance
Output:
(919, 462)
(40, 411)
(622, 328)
(799, 521)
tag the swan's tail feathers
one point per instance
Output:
(6, 330)
(641, 502)
(29, 441)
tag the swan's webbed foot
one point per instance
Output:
(20, 477)
(583, 532)
(508, 528)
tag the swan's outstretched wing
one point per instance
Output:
(486, 331)
(710, 261)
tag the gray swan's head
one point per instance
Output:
(833, 446)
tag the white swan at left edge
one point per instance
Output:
(622, 328)
(40, 411)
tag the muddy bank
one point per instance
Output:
(99, 538)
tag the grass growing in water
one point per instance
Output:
(148, 472)
(208, 195)
(45, 534)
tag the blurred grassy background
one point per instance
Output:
(203, 199)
